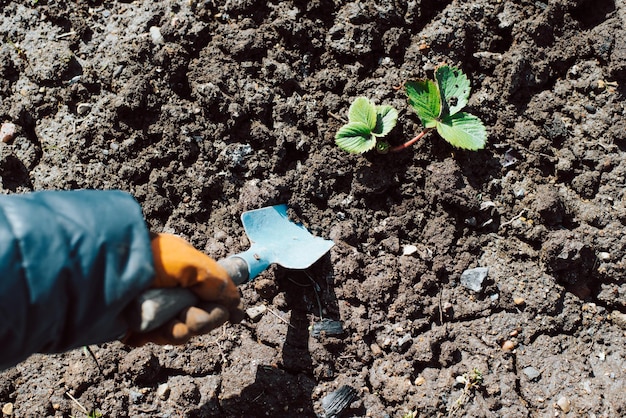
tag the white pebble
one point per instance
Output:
(564, 404)
(155, 34)
(604, 256)
(409, 250)
(7, 131)
(7, 409)
(163, 391)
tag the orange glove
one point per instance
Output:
(178, 264)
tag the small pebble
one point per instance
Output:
(487, 205)
(473, 278)
(519, 301)
(74, 79)
(118, 71)
(589, 108)
(256, 312)
(135, 397)
(220, 235)
(509, 158)
(531, 373)
(405, 341)
(163, 391)
(7, 409)
(508, 345)
(564, 404)
(376, 350)
(420, 381)
(7, 132)
(619, 319)
(409, 250)
(604, 256)
(155, 34)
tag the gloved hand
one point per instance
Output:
(178, 264)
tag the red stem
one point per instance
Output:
(410, 142)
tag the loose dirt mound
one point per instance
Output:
(204, 110)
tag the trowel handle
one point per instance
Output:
(155, 307)
(237, 269)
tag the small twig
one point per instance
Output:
(222, 354)
(281, 318)
(261, 394)
(66, 34)
(339, 118)
(513, 219)
(82, 408)
(440, 306)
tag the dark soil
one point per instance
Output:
(229, 109)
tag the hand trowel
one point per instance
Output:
(274, 240)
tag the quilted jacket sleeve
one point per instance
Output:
(70, 262)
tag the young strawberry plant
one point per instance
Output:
(367, 123)
(438, 104)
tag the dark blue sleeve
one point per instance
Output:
(70, 262)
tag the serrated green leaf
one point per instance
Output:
(463, 130)
(355, 137)
(364, 111)
(425, 99)
(386, 118)
(454, 87)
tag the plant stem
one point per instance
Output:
(410, 142)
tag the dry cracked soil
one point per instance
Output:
(477, 284)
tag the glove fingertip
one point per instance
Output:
(179, 333)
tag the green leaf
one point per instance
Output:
(425, 99)
(463, 130)
(364, 111)
(386, 118)
(454, 87)
(355, 137)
